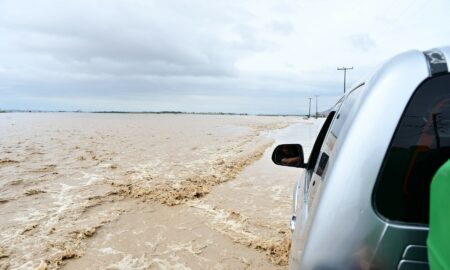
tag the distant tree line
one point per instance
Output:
(322, 114)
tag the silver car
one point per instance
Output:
(364, 200)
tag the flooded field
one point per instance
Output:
(145, 191)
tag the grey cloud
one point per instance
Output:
(362, 42)
(152, 93)
(161, 55)
(282, 27)
(119, 39)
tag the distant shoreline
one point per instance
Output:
(151, 112)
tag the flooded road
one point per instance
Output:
(146, 191)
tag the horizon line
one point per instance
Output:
(149, 112)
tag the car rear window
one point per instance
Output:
(421, 144)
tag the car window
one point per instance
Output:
(319, 141)
(421, 144)
(342, 114)
(344, 111)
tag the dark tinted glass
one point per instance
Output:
(421, 144)
(319, 141)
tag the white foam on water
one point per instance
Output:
(64, 198)
(190, 247)
(26, 266)
(130, 262)
(221, 221)
(32, 214)
(145, 171)
(92, 178)
(105, 165)
(166, 264)
(109, 250)
(276, 192)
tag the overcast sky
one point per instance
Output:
(220, 56)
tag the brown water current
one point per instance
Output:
(143, 191)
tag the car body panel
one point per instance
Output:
(342, 230)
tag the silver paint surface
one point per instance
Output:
(336, 226)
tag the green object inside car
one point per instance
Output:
(439, 235)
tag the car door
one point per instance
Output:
(322, 152)
(301, 193)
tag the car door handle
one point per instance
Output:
(293, 222)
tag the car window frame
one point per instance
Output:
(386, 157)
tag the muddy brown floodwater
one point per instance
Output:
(145, 191)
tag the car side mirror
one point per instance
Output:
(290, 155)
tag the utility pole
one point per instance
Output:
(317, 100)
(345, 73)
(309, 111)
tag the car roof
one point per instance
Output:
(395, 65)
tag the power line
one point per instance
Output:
(345, 74)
